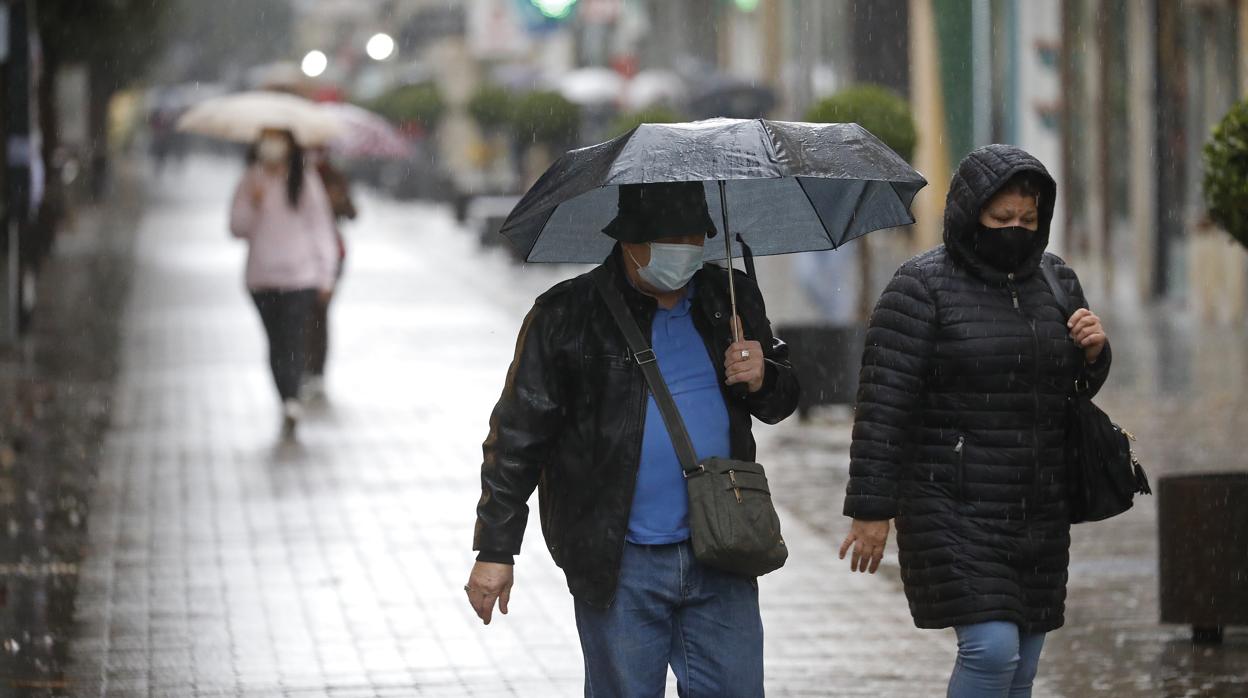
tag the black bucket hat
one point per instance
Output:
(660, 210)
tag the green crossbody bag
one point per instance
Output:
(733, 523)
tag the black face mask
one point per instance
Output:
(1003, 248)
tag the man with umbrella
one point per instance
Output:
(576, 421)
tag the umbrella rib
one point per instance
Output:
(893, 186)
(814, 208)
(854, 216)
(545, 221)
(771, 147)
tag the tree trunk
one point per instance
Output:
(865, 287)
(1105, 29)
(52, 208)
(102, 87)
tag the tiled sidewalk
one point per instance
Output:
(224, 564)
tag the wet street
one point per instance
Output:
(220, 562)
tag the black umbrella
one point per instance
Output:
(792, 187)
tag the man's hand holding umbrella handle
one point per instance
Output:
(743, 362)
(489, 582)
(867, 538)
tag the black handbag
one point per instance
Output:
(733, 524)
(1102, 473)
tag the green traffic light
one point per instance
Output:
(746, 5)
(554, 9)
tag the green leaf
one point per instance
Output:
(1226, 173)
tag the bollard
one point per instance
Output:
(1202, 528)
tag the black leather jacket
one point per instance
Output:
(571, 416)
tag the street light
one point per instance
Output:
(314, 63)
(380, 47)
(554, 9)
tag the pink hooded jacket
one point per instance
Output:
(290, 248)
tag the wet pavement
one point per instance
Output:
(1182, 390)
(54, 393)
(220, 562)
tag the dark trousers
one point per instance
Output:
(318, 337)
(285, 315)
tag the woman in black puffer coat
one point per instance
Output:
(959, 428)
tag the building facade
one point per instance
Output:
(1117, 97)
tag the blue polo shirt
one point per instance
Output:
(660, 513)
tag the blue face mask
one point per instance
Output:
(671, 266)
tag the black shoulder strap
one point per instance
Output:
(646, 360)
(1063, 303)
(748, 255)
(1055, 285)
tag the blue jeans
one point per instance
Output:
(995, 660)
(671, 610)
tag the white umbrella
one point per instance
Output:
(590, 85)
(366, 134)
(242, 116)
(650, 87)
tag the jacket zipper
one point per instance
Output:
(1030, 502)
(960, 450)
(1035, 422)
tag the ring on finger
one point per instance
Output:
(745, 353)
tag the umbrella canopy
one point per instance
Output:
(242, 116)
(365, 134)
(790, 187)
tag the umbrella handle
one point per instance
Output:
(732, 284)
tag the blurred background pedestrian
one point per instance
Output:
(338, 190)
(283, 212)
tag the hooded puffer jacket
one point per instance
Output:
(959, 426)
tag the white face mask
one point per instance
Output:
(671, 266)
(273, 150)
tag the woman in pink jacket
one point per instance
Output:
(281, 210)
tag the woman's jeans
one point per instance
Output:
(286, 315)
(995, 661)
(671, 610)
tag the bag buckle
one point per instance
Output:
(690, 473)
(646, 356)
